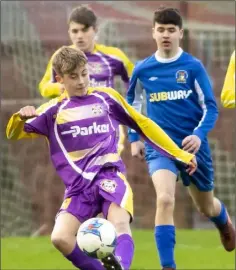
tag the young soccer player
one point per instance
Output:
(104, 62)
(228, 91)
(81, 131)
(181, 101)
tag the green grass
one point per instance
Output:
(195, 249)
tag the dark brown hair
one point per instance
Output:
(164, 15)
(83, 15)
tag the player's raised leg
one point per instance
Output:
(118, 209)
(164, 182)
(63, 238)
(216, 211)
(125, 246)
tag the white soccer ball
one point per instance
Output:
(97, 238)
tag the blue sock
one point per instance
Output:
(222, 218)
(165, 241)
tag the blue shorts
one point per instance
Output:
(203, 177)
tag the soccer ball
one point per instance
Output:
(97, 238)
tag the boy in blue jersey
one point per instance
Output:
(179, 99)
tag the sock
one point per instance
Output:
(221, 219)
(82, 261)
(125, 250)
(165, 241)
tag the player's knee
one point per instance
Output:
(122, 226)
(206, 210)
(165, 202)
(60, 241)
(120, 218)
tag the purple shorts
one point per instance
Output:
(108, 186)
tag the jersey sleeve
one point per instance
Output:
(206, 100)
(31, 128)
(135, 99)
(228, 91)
(125, 114)
(124, 66)
(126, 69)
(15, 129)
(48, 86)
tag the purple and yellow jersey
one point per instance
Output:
(104, 64)
(82, 134)
(228, 91)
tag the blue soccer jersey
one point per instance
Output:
(179, 95)
(180, 99)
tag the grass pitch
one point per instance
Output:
(195, 249)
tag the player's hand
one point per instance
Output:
(138, 150)
(192, 166)
(191, 144)
(27, 112)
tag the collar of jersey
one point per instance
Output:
(95, 49)
(169, 60)
(65, 95)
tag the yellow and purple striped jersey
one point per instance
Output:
(82, 134)
(104, 64)
(228, 91)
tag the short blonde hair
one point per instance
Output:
(67, 59)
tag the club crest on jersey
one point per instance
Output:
(97, 109)
(108, 185)
(181, 76)
(95, 68)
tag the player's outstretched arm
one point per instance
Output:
(15, 126)
(48, 86)
(151, 132)
(228, 91)
(30, 122)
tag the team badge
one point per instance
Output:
(181, 76)
(108, 185)
(94, 68)
(97, 109)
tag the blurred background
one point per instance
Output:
(31, 31)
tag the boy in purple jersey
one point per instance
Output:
(104, 62)
(81, 130)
